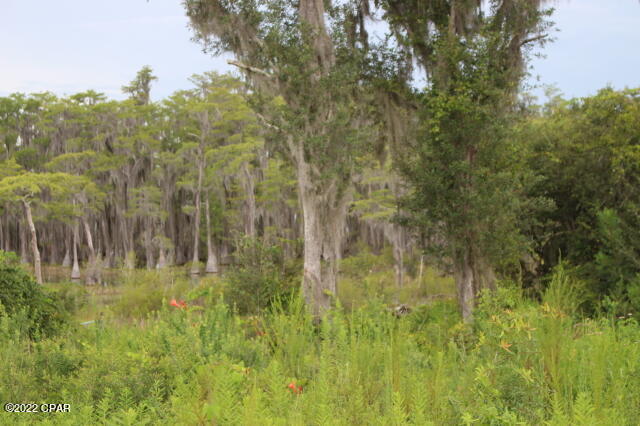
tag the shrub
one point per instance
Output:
(72, 296)
(142, 292)
(36, 311)
(258, 277)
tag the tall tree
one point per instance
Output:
(463, 167)
(26, 189)
(309, 58)
(139, 89)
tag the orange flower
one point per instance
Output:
(178, 303)
(295, 389)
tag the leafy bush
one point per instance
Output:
(258, 277)
(36, 311)
(71, 296)
(142, 292)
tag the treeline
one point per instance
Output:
(140, 184)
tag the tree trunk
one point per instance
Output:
(92, 275)
(34, 242)
(472, 274)
(212, 259)
(7, 240)
(195, 268)
(250, 202)
(463, 273)
(148, 244)
(75, 270)
(325, 214)
(66, 262)
(24, 256)
(162, 261)
(395, 235)
(2, 237)
(108, 246)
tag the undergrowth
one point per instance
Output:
(199, 362)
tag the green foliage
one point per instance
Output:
(366, 276)
(586, 153)
(259, 276)
(520, 363)
(29, 158)
(144, 292)
(71, 296)
(468, 176)
(33, 310)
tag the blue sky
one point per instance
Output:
(67, 46)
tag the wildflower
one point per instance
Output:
(178, 303)
(295, 389)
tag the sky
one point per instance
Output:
(68, 46)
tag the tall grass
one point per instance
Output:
(521, 362)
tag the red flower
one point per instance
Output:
(178, 303)
(295, 389)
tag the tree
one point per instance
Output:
(463, 168)
(26, 189)
(139, 89)
(216, 115)
(307, 62)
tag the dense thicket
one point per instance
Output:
(585, 153)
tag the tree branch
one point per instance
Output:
(249, 68)
(267, 123)
(532, 39)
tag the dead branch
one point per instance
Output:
(249, 68)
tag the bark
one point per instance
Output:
(162, 261)
(54, 248)
(195, 268)
(313, 14)
(24, 256)
(93, 267)
(250, 202)
(126, 230)
(106, 239)
(325, 214)
(398, 255)
(7, 240)
(66, 261)
(75, 270)
(212, 259)
(472, 274)
(34, 242)
(148, 244)
(395, 235)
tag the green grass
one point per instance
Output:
(522, 362)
